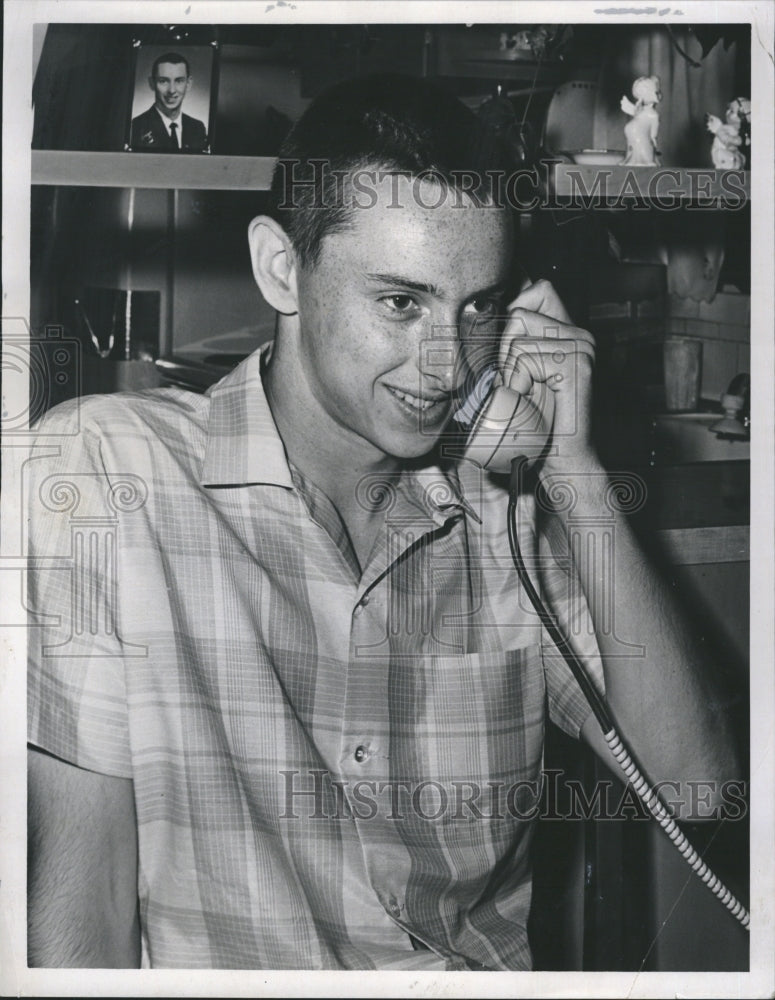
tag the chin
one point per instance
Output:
(410, 448)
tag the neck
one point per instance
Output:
(172, 115)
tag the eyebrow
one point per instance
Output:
(398, 281)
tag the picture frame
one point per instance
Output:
(172, 111)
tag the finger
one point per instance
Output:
(542, 297)
(531, 322)
(528, 327)
(548, 340)
(529, 362)
(524, 370)
(555, 350)
(516, 375)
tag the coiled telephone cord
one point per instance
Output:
(640, 785)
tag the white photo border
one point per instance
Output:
(15, 978)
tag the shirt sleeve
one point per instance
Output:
(563, 594)
(76, 696)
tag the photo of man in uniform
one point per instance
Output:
(164, 127)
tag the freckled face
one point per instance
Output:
(378, 294)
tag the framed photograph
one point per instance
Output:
(172, 104)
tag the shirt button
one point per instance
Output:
(361, 753)
(394, 907)
(362, 604)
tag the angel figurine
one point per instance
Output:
(727, 138)
(641, 130)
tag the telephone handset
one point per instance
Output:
(514, 421)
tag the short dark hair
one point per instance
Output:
(391, 122)
(170, 57)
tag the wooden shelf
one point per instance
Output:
(151, 170)
(572, 184)
(613, 186)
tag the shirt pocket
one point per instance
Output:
(477, 717)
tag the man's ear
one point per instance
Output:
(152, 83)
(274, 264)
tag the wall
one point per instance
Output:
(214, 291)
(723, 326)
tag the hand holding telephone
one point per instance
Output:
(539, 371)
(514, 421)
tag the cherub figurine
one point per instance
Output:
(641, 131)
(727, 138)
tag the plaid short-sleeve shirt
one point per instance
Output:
(333, 768)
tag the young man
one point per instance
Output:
(292, 713)
(164, 128)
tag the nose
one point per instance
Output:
(440, 358)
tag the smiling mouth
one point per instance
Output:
(420, 404)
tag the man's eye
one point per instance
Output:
(482, 308)
(399, 303)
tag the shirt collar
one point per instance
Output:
(244, 446)
(168, 121)
(439, 492)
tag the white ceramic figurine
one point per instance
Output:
(641, 131)
(727, 139)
